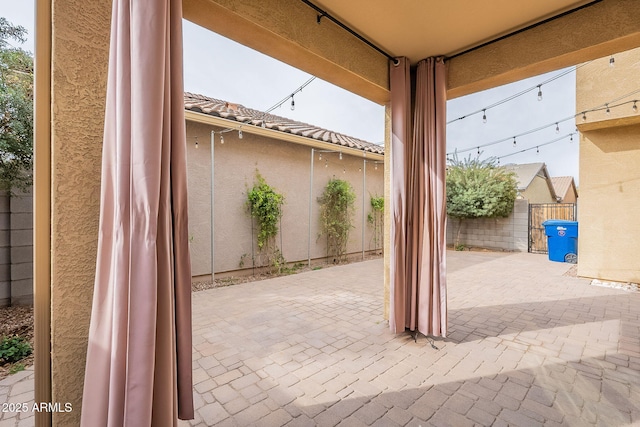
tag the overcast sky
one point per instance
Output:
(220, 68)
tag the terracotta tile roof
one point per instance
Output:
(240, 113)
(562, 184)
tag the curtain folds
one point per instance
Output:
(138, 368)
(418, 229)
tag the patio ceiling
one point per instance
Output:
(421, 28)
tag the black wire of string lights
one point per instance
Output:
(537, 146)
(538, 86)
(606, 107)
(262, 116)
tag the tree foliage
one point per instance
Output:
(337, 206)
(479, 189)
(16, 109)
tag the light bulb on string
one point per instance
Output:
(326, 163)
(478, 151)
(571, 138)
(359, 169)
(537, 150)
(341, 155)
(557, 128)
(635, 107)
(264, 124)
(375, 166)
(514, 141)
(484, 116)
(196, 142)
(612, 61)
(240, 133)
(320, 156)
(344, 170)
(584, 116)
(608, 110)
(293, 103)
(539, 92)
(221, 138)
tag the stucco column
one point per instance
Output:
(79, 57)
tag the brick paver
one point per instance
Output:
(527, 346)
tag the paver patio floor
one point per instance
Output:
(527, 346)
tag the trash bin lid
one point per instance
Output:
(564, 222)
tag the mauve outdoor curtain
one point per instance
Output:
(138, 370)
(418, 211)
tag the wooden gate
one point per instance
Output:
(539, 213)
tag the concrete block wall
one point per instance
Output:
(508, 234)
(5, 250)
(16, 249)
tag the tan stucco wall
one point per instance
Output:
(609, 173)
(570, 197)
(79, 67)
(538, 191)
(285, 166)
(609, 229)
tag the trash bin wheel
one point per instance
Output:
(571, 258)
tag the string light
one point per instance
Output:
(537, 147)
(540, 93)
(326, 163)
(344, 170)
(601, 107)
(341, 155)
(557, 128)
(221, 138)
(635, 107)
(519, 94)
(608, 110)
(612, 61)
(571, 139)
(484, 116)
(514, 141)
(196, 142)
(478, 151)
(293, 103)
(375, 165)
(537, 150)
(320, 156)
(240, 133)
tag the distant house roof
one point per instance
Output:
(562, 184)
(240, 113)
(525, 174)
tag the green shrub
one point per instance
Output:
(13, 349)
(336, 216)
(265, 206)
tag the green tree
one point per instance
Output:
(337, 206)
(478, 189)
(16, 109)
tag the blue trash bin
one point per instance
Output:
(562, 240)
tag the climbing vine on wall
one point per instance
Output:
(265, 207)
(337, 205)
(375, 218)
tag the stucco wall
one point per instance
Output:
(609, 173)
(509, 234)
(285, 166)
(609, 204)
(538, 191)
(80, 43)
